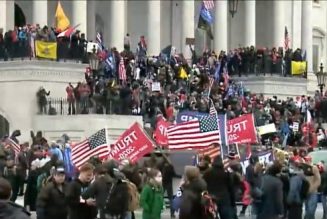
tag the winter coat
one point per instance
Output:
(50, 200)
(31, 190)
(272, 199)
(191, 207)
(10, 210)
(152, 201)
(78, 210)
(220, 185)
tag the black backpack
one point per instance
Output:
(118, 199)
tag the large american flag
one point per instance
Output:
(12, 144)
(208, 4)
(194, 134)
(122, 70)
(96, 145)
(286, 40)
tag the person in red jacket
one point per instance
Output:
(70, 99)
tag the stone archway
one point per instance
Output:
(20, 18)
(4, 126)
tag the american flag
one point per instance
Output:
(122, 70)
(194, 134)
(212, 152)
(99, 41)
(211, 81)
(208, 4)
(286, 40)
(96, 145)
(212, 109)
(11, 143)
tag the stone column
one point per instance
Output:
(278, 23)
(220, 26)
(250, 23)
(79, 15)
(306, 32)
(187, 27)
(7, 12)
(91, 31)
(40, 12)
(154, 28)
(117, 24)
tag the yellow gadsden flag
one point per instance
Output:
(62, 20)
(299, 68)
(47, 50)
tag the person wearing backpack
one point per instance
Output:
(298, 190)
(152, 197)
(193, 187)
(53, 197)
(117, 200)
(221, 186)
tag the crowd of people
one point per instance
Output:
(20, 42)
(116, 189)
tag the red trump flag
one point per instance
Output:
(133, 144)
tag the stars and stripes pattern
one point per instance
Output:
(194, 134)
(122, 70)
(208, 4)
(286, 40)
(99, 40)
(13, 145)
(212, 109)
(212, 152)
(96, 145)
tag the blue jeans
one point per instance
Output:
(128, 215)
(311, 205)
(324, 204)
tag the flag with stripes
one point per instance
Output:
(212, 152)
(99, 41)
(13, 145)
(286, 39)
(194, 134)
(96, 145)
(208, 4)
(122, 70)
(212, 109)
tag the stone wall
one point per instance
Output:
(20, 81)
(78, 127)
(282, 87)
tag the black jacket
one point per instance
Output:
(10, 210)
(78, 210)
(191, 200)
(50, 200)
(220, 185)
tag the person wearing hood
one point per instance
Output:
(10, 210)
(271, 205)
(192, 188)
(220, 186)
(55, 150)
(152, 197)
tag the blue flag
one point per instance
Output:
(206, 15)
